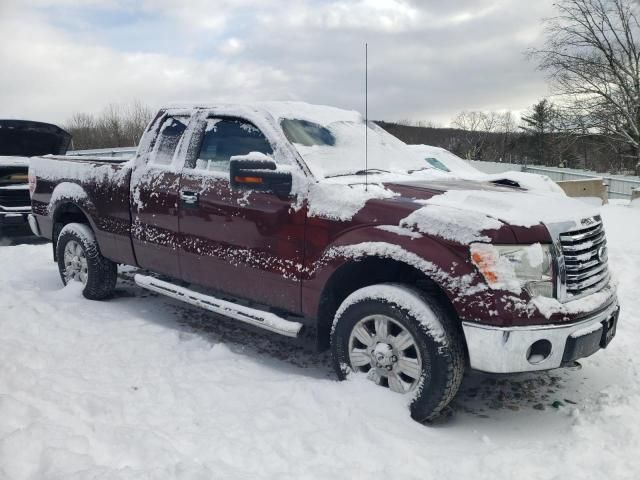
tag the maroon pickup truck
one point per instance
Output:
(271, 215)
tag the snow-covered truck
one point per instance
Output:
(272, 214)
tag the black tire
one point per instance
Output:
(101, 273)
(442, 346)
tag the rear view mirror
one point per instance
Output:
(251, 173)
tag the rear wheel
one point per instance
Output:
(401, 340)
(80, 260)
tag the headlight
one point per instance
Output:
(514, 267)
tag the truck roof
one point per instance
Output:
(320, 114)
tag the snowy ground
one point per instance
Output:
(140, 387)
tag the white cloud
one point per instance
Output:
(428, 59)
(231, 46)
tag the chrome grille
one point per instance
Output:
(585, 258)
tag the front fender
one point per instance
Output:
(445, 263)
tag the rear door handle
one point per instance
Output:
(188, 198)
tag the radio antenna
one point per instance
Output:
(366, 116)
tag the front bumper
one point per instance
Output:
(509, 350)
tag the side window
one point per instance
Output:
(224, 138)
(168, 139)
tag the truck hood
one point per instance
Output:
(23, 138)
(514, 206)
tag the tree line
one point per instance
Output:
(538, 137)
(118, 125)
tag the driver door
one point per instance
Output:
(248, 244)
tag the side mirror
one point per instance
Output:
(259, 172)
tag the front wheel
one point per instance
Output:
(402, 340)
(80, 260)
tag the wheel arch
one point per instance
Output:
(353, 275)
(65, 212)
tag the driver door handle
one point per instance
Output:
(189, 198)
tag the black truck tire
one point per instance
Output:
(436, 354)
(84, 262)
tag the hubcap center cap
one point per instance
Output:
(383, 354)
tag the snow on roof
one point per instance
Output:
(320, 114)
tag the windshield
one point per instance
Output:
(339, 148)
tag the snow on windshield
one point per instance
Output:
(448, 160)
(338, 148)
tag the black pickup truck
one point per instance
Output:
(19, 140)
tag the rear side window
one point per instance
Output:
(224, 138)
(169, 137)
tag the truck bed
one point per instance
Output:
(90, 159)
(98, 187)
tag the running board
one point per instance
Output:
(259, 318)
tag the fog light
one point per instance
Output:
(539, 351)
(542, 289)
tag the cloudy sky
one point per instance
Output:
(428, 59)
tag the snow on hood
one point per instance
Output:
(530, 181)
(341, 201)
(458, 210)
(454, 163)
(460, 168)
(451, 223)
(517, 208)
(463, 211)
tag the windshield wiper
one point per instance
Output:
(419, 169)
(360, 172)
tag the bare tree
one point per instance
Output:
(507, 128)
(476, 128)
(82, 127)
(116, 126)
(592, 56)
(137, 118)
